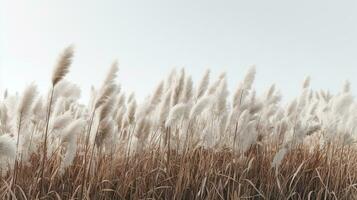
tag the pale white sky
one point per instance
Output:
(287, 40)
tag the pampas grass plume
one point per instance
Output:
(7, 146)
(63, 64)
(200, 106)
(177, 112)
(203, 85)
(27, 100)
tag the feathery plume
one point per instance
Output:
(72, 130)
(221, 98)
(63, 64)
(68, 138)
(130, 114)
(104, 94)
(177, 90)
(177, 112)
(107, 108)
(7, 146)
(170, 79)
(249, 78)
(27, 100)
(342, 104)
(38, 109)
(213, 87)
(164, 108)
(203, 85)
(156, 97)
(131, 97)
(106, 128)
(142, 129)
(306, 83)
(61, 121)
(244, 87)
(187, 94)
(121, 100)
(270, 92)
(202, 104)
(112, 74)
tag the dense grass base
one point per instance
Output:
(196, 174)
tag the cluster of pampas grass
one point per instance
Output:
(185, 141)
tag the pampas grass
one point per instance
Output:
(63, 64)
(7, 146)
(69, 141)
(185, 141)
(24, 108)
(23, 116)
(203, 85)
(200, 106)
(59, 72)
(176, 113)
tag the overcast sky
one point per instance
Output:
(286, 40)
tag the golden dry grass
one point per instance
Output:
(198, 174)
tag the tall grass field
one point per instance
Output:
(185, 141)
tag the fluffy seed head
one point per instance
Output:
(177, 112)
(7, 146)
(27, 100)
(63, 64)
(200, 106)
(203, 85)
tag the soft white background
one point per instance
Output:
(287, 40)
